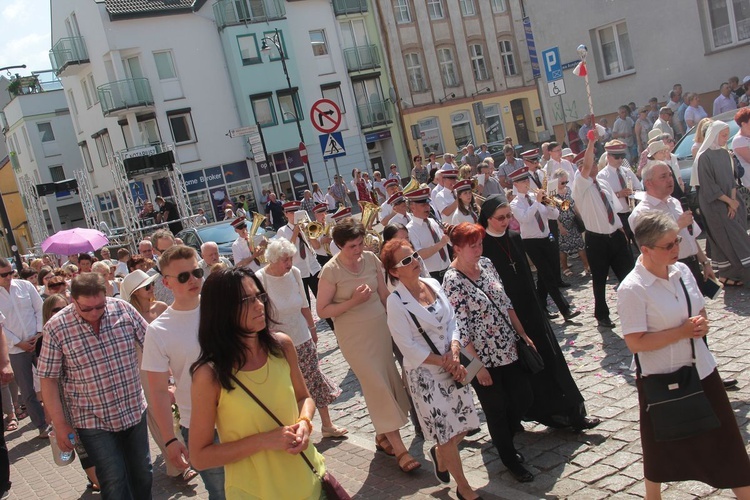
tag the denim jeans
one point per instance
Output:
(122, 460)
(213, 479)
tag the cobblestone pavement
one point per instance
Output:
(604, 462)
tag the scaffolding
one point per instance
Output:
(90, 213)
(34, 213)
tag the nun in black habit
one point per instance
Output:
(557, 401)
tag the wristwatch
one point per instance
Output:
(707, 262)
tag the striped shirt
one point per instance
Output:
(100, 373)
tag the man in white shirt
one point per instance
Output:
(532, 216)
(171, 347)
(304, 259)
(663, 122)
(623, 128)
(445, 203)
(210, 256)
(426, 235)
(398, 203)
(622, 180)
(244, 254)
(22, 306)
(724, 102)
(606, 243)
(386, 211)
(556, 161)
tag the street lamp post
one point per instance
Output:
(276, 41)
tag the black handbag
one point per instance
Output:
(675, 402)
(529, 358)
(332, 488)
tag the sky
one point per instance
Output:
(25, 35)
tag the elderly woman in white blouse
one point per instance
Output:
(283, 284)
(446, 412)
(663, 320)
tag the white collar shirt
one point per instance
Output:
(308, 266)
(553, 166)
(609, 175)
(650, 304)
(385, 210)
(591, 206)
(241, 250)
(22, 307)
(435, 191)
(671, 206)
(442, 200)
(525, 215)
(421, 237)
(400, 219)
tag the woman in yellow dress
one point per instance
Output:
(258, 455)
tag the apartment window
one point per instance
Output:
(181, 123)
(87, 93)
(493, 123)
(461, 125)
(614, 44)
(274, 52)
(509, 61)
(165, 65)
(401, 11)
(729, 21)
(447, 67)
(92, 86)
(498, 6)
(478, 64)
(265, 115)
(467, 8)
(45, 131)
(319, 44)
(86, 154)
(432, 139)
(435, 9)
(249, 52)
(289, 106)
(332, 91)
(101, 150)
(414, 72)
(57, 173)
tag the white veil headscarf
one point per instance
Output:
(711, 141)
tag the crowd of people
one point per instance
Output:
(217, 359)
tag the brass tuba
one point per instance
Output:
(413, 184)
(254, 226)
(372, 239)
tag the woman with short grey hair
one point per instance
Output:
(283, 284)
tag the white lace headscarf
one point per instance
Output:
(711, 141)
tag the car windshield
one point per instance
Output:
(220, 233)
(683, 149)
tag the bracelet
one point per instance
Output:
(303, 419)
(169, 442)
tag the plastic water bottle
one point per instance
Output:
(67, 456)
(61, 457)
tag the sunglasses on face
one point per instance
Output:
(501, 218)
(564, 183)
(89, 309)
(148, 287)
(251, 299)
(670, 246)
(5, 275)
(618, 156)
(184, 277)
(56, 285)
(407, 260)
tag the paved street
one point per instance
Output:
(605, 462)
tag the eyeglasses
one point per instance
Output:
(261, 297)
(501, 218)
(617, 156)
(5, 275)
(56, 309)
(89, 309)
(148, 287)
(240, 227)
(55, 285)
(407, 260)
(184, 277)
(564, 183)
(670, 246)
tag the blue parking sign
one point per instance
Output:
(551, 63)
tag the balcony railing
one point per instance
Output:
(68, 51)
(124, 94)
(341, 7)
(362, 57)
(374, 114)
(232, 12)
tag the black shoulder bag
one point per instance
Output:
(467, 360)
(527, 355)
(675, 402)
(332, 488)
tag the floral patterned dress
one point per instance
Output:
(573, 241)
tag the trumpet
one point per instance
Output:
(478, 198)
(254, 226)
(555, 202)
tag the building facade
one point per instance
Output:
(462, 74)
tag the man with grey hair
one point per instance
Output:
(146, 248)
(210, 256)
(511, 164)
(161, 241)
(724, 101)
(491, 185)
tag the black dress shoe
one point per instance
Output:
(520, 473)
(521, 459)
(473, 432)
(605, 323)
(729, 383)
(563, 284)
(586, 423)
(551, 315)
(461, 497)
(572, 314)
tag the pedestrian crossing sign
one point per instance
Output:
(332, 145)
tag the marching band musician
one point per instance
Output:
(606, 243)
(338, 217)
(619, 177)
(445, 203)
(533, 217)
(319, 244)
(398, 203)
(304, 259)
(426, 234)
(467, 210)
(386, 210)
(243, 254)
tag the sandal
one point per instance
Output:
(12, 425)
(93, 487)
(382, 444)
(567, 272)
(410, 464)
(21, 414)
(333, 431)
(730, 282)
(188, 474)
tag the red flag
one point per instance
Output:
(581, 70)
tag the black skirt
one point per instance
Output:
(717, 458)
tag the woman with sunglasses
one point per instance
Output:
(55, 284)
(240, 354)
(571, 239)
(663, 318)
(446, 412)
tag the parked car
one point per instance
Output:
(222, 233)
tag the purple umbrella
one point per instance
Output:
(76, 240)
